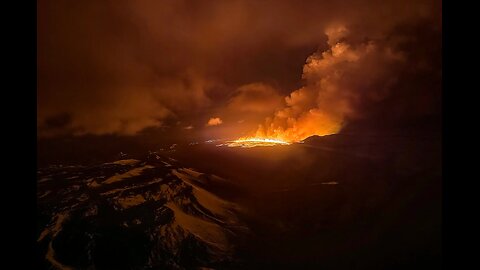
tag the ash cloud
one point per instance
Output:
(121, 67)
(338, 83)
(255, 98)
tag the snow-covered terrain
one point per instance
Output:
(134, 214)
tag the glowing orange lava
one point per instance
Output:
(253, 142)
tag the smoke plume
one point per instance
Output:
(338, 83)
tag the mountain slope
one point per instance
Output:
(134, 214)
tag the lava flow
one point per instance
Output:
(253, 142)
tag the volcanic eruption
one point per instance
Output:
(338, 83)
(151, 116)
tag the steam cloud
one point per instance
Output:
(110, 67)
(337, 82)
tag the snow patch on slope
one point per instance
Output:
(208, 232)
(126, 175)
(125, 162)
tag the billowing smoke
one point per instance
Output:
(339, 82)
(123, 67)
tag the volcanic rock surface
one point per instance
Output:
(134, 214)
(343, 201)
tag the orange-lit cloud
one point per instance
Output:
(214, 121)
(337, 80)
(109, 67)
(256, 98)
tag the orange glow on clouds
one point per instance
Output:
(214, 121)
(338, 82)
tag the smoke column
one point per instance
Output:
(339, 82)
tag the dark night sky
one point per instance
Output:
(119, 67)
